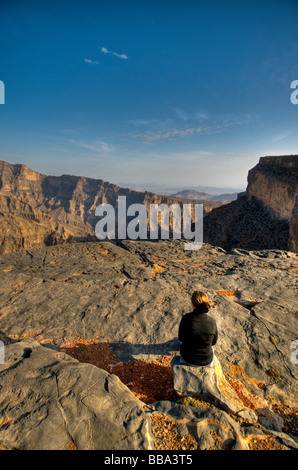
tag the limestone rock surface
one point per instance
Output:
(50, 401)
(206, 382)
(214, 429)
(210, 384)
(133, 295)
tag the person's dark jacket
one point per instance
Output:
(197, 333)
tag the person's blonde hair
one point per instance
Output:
(199, 297)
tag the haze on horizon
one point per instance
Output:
(175, 94)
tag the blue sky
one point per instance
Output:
(176, 93)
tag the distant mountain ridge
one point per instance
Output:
(194, 195)
(168, 190)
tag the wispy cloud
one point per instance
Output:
(70, 131)
(90, 61)
(106, 51)
(170, 133)
(152, 136)
(181, 114)
(201, 116)
(282, 136)
(151, 123)
(189, 115)
(208, 128)
(97, 145)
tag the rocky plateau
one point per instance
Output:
(130, 297)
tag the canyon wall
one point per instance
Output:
(38, 210)
(274, 182)
(263, 217)
(293, 238)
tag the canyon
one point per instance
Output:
(40, 210)
(89, 328)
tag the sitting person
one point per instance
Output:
(197, 333)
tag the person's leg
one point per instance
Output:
(211, 364)
(182, 361)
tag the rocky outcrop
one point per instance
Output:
(274, 182)
(208, 383)
(262, 217)
(50, 401)
(40, 210)
(214, 429)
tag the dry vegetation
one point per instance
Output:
(153, 381)
(167, 436)
(149, 381)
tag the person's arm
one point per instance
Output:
(181, 331)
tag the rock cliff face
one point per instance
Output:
(40, 210)
(293, 242)
(262, 217)
(274, 182)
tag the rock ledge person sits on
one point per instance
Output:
(198, 333)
